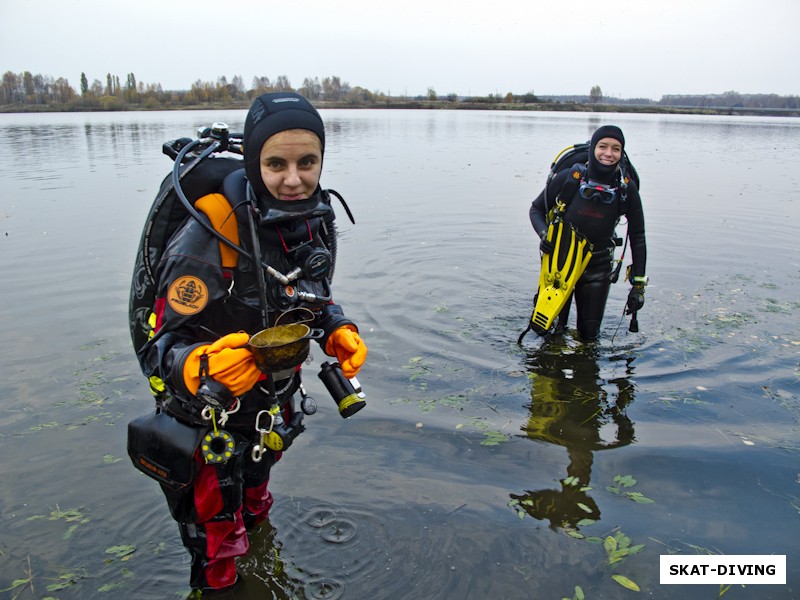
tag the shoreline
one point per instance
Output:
(433, 105)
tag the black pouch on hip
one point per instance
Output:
(163, 448)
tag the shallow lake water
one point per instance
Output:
(480, 468)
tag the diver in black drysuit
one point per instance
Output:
(206, 310)
(595, 215)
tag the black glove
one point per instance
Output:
(635, 299)
(545, 246)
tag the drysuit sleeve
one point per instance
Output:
(191, 284)
(330, 318)
(635, 216)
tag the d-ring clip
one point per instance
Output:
(258, 450)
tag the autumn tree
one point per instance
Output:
(311, 88)
(260, 85)
(282, 84)
(62, 91)
(237, 87)
(9, 87)
(358, 95)
(27, 84)
(332, 88)
(130, 88)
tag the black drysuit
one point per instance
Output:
(596, 220)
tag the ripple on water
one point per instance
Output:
(333, 528)
(335, 548)
(324, 589)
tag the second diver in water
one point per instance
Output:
(593, 207)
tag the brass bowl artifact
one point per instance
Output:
(283, 346)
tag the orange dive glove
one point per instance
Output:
(348, 348)
(230, 363)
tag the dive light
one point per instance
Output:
(349, 399)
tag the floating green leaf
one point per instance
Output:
(16, 583)
(68, 533)
(66, 580)
(121, 551)
(577, 596)
(54, 587)
(624, 480)
(584, 508)
(625, 582)
(576, 534)
(42, 426)
(493, 438)
(639, 497)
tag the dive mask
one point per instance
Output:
(597, 192)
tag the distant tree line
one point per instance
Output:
(29, 90)
(699, 101)
(25, 91)
(733, 100)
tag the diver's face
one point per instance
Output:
(291, 163)
(608, 151)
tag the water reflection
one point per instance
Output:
(265, 565)
(573, 406)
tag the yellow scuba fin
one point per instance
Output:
(560, 272)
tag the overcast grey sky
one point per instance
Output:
(630, 48)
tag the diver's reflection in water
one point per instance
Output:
(263, 569)
(572, 406)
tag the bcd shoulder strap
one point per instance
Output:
(571, 183)
(568, 189)
(218, 210)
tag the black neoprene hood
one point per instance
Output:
(271, 114)
(596, 170)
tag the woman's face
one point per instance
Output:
(608, 151)
(291, 163)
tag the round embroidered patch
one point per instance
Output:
(187, 295)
